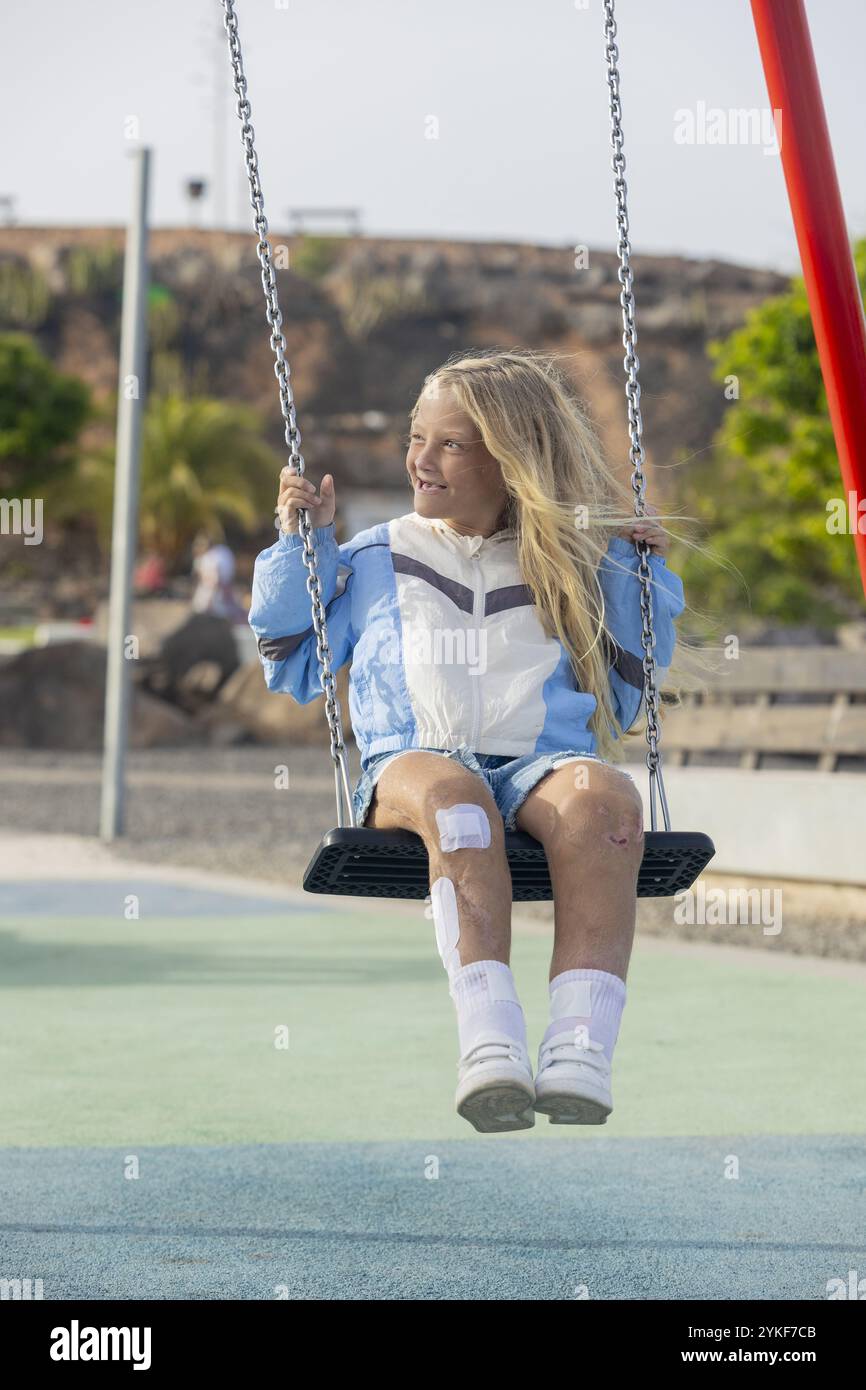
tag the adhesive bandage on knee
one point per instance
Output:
(588, 1004)
(463, 826)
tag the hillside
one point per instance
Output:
(365, 319)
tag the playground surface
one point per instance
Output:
(220, 1089)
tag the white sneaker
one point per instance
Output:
(573, 1082)
(495, 1091)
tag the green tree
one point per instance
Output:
(763, 493)
(315, 256)
(25, 295)
(42, 412)
(203, 463)
(94, 270)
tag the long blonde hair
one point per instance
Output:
(563, 500)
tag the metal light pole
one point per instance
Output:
(124, 533)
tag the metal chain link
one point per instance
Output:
(631, 363)
(282, 371)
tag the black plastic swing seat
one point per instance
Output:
(393, 864)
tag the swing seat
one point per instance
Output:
(393, 864)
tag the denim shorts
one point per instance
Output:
(510, 779)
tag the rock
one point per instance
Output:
(154, 723)
(194, 662)
(272, 718)
(54, 697)
(200, 683)
(222, 731)
(152, 620)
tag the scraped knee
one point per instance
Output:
(605, 813)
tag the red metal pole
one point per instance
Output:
(828, 268)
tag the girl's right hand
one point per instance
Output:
(296, 492)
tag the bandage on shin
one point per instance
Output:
(484, 992)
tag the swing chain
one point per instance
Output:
(631, 363)
(282, 371)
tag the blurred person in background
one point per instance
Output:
(213, 570)
(151, 578)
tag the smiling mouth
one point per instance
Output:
(423, 485)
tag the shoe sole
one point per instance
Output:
(565, 1108)
(498, 1107)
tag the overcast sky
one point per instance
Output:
(346, 94)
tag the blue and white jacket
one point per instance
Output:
(446, 645)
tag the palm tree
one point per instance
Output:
(203, 462)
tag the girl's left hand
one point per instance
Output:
(645, 529)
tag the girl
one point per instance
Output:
(494, 634)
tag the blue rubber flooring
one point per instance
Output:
(489, 1219)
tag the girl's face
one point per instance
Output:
(453, 475)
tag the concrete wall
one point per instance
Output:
(797, 825)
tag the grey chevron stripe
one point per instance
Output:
(459, 594)
(278, 648)
(626, 664)
(511, 596)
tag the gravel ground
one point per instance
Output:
(219, 809)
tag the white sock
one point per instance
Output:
(485, 998)
(591, 1000)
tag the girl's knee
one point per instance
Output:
(445, 803)
(603, 810)
(458, 812)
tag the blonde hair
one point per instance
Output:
(563, 500)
